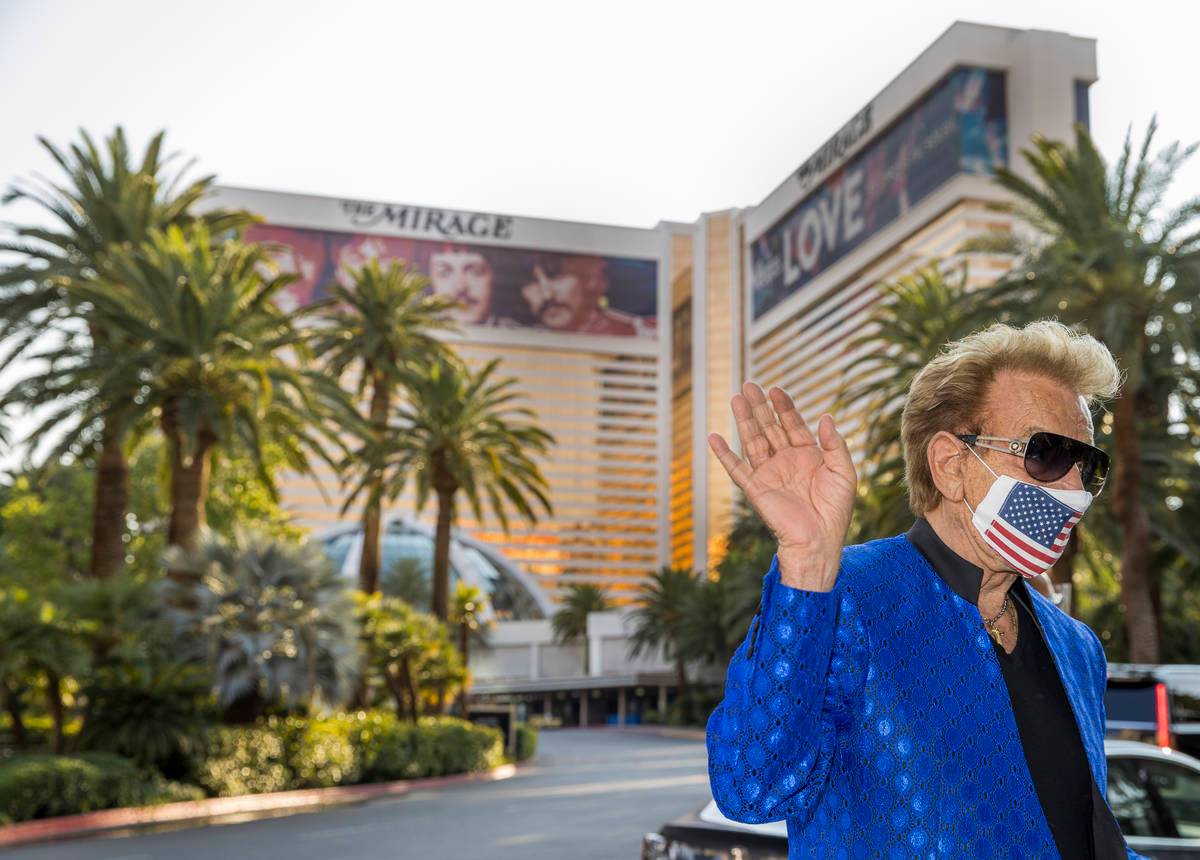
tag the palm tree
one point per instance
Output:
(569, 624)
(108, 200)
(663, 603)
(459, 432)
(1112, 256)
(408, 579)
(375, 327)
(205, 352)
(919, 314)
(466, 613)
(274, 619)
(705, 633)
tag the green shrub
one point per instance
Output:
(460, 746)
(168, 791)
(148, 710)
(527, 738)
(383, 745)
(42, 785)
(318, 752)
(281, 753)
(244, 760)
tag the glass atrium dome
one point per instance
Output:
(513, 594)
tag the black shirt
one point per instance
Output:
(1078, 817)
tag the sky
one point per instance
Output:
(615, 112)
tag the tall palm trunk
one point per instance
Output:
(684, 691)
(189, 478)
(446, 489)
(368, 565)
(1136, 592)
(110, 501)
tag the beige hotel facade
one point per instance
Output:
(772, 292)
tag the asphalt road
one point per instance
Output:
(590, 793)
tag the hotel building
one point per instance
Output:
(676, 316)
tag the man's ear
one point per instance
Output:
(945, 455)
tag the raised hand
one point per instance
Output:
(801, 487)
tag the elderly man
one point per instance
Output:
(912, 696)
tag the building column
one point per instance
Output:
(662, 701)
(621, 707)
(547, 705)
(596, 656)
(583, 703)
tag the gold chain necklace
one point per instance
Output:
(996, 633)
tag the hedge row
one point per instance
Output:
(280, 754)
(277, 754)
(42, 785)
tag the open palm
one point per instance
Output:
(802, 487)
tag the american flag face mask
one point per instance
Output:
(1027, 525)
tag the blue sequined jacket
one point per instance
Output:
(875, 719)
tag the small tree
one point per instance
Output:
(462, 433)
(40, 644)
(466, 614)
(373, 329)
(658, 620)
(569, 624)
(274, 620)
(409, 653)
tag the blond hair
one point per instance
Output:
(949, 392)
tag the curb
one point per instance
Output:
(216, 810)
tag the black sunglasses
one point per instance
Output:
(1049, 456)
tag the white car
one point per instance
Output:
(1154, 793)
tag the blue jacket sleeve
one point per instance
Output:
(772, 738)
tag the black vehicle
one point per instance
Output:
(1156, 704)
(1154, 793)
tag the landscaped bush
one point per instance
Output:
(527, 738)
(385, 746)
(151, 711)
(244, 760)
(389, 748)
(42, 785)
(319, 752)
(460, 746)
(279, 754)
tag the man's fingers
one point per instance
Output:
(837, 452)
(754, 444)
(739, 470)
(793, 424)
(765, 416)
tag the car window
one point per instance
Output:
(1130, 801)
(1129, 703)
(1179, 790)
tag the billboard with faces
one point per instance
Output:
(492, 286)
(959, 127)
